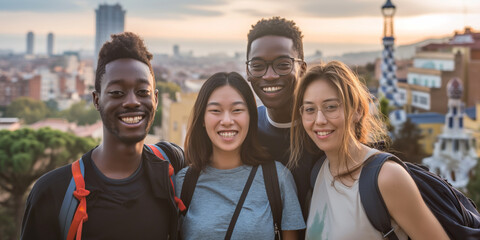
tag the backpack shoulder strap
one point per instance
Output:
(315, 170)
(171, 172)
(81, 216)
(371, 198)
(189, 184)
(69, 205)
(272, 187)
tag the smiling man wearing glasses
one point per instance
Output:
(274, 65)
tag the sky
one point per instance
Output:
(213, 26)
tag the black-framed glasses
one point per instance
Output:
(281, 66)
(330, 109)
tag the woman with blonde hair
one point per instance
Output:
(334, 112)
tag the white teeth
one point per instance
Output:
(323, 133)
(227, 134)
(271, 89)
(132, 120)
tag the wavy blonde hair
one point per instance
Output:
(365, 128)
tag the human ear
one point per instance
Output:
(96, 97)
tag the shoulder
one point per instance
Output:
(51, 184)
(394, 181)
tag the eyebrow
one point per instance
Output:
(233, 104)
(326, 100)
(281, 56)
(120, 81)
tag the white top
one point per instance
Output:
(336, 212)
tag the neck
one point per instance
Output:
(283, 115)
(339, 165)
(226, 160)
(118, 160)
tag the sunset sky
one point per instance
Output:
(211, 26)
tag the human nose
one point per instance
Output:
(270, 74)
(320, 117)
(131, 100)
(226, 119)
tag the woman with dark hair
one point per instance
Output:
(221, 144)
(333, 113)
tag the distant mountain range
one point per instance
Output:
(361, 58)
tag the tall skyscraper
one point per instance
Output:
(50, 44)
(110, 19)
(30, 41)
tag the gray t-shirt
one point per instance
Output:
(216, 196)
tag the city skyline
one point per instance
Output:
(212, 26)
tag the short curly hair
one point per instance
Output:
(277, 26)
(122, 45)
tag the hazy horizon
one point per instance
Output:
(212, 26)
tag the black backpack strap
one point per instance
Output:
(174, 153)
(188, 187)
(69, 206)
(371, 198)
(272, 187)
(315, 170)
(233, 221)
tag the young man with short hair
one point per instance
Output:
(130, 192)
(275, 63)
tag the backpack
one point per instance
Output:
(271, 185)
(73, 212)
(456, 213)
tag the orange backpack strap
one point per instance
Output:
(75, 231)
(161, 154)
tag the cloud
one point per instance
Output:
(156, 9)
(252, 12)
(372, 8)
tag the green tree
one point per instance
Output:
(473, 187)
(81, 113)
(27, 109)
(25, 155)
(406, 143)
(385, 110)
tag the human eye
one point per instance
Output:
(115, 93)
(213, 110)
(330, 107)
(143, 92)
(283, 63)
(257, 65)
(239, 110)
(309, 110)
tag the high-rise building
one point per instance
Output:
(176, 50)
(50, 44)
(30, 41)
(110, 19)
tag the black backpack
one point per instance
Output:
(456, 213)
(271, 185)
(163, 150)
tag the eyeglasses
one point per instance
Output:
(281, 66)
(330, 109)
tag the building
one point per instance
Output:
(30, 43)
(110, 19)
(454, 156)
(50, 40)
(434, 65)
(431, 124)
(175, 116)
